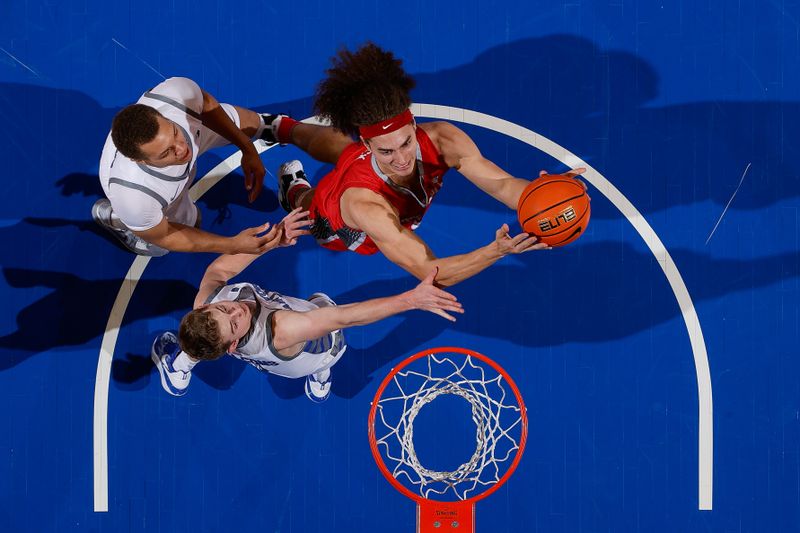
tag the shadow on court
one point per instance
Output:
(614, 300)
(596, 102)
(133, 372)
(215, 204)
(622, 278)
(75, 310)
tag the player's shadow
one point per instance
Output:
(286, 388)
(570, 304)
(82, 226)
(216, 203)
(74, 310)
(133, 372)
(79, 183)
(597, 103)
(221, 374)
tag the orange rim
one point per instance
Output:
(373, 443)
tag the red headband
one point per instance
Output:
(386, 126)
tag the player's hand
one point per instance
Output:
(524, 242)
(574, 173)
(254, 172)
(257, 240)
(428, 297)
(570, 174)
(294, 225)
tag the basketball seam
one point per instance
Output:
(553, 206)
(578, 230)
(522, 200)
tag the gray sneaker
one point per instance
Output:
(101, 213)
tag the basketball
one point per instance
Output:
(554, 208)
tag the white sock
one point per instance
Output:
(183, 362)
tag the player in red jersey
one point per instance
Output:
(383, 183)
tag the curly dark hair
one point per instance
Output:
(199, 336)
(363, 88)
(132, 127)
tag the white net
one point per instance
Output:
(495, 412)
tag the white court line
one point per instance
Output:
(706, 414)
(101, 381)
(705, 419)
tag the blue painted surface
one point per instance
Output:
(670, 103)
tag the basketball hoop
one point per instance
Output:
(446, 500)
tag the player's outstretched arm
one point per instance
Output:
(461, 153)
(403, 247)
(181, 238)
(255, 240)
(291, 327)
(404, 251)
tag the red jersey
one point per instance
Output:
(357, 168)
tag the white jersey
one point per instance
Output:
(141, 195)
(257, 346)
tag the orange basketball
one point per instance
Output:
(555, 208)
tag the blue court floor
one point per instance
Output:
(657, 355)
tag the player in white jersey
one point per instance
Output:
(150, 159)
(279, 334)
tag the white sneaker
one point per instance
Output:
(316, 390)
(290, 175)
(101, 213)
(164, 351)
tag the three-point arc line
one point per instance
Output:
(705, 405)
